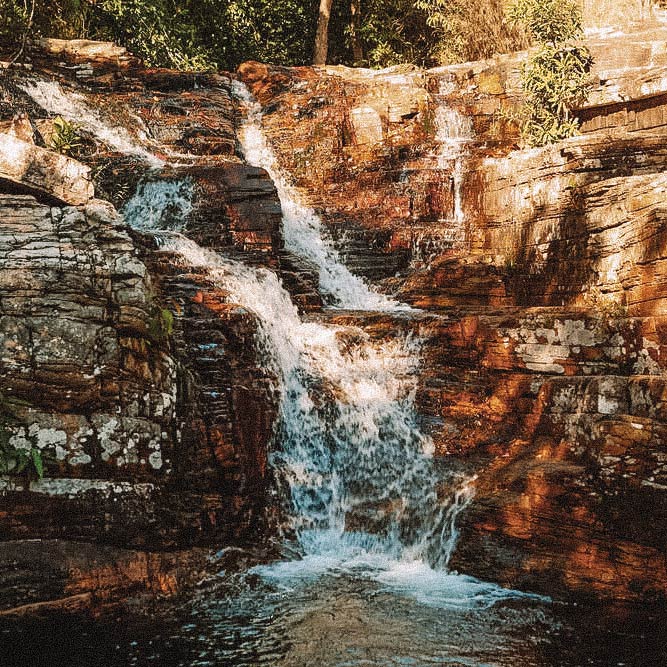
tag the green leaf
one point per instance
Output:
(36, 456)
(22, 461)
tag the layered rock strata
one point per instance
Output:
(544, 357)
(127, 379)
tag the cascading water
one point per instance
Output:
(302, 228)
(364, 491)
(348, 445)
(453, 132)
(163, 204)
(74, 107)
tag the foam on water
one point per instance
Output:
(364, 498)
(159, 205)
(74, 108)
(302, 227)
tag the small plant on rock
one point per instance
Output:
(17, 459)
(160, 325)
(65, 138)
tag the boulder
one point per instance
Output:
(59, 178)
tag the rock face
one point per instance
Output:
(32, 168)
(540, 273)
(124, 374)
(544, 355)
(89, 381)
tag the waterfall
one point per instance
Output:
(74, 108)
(453, 132)
(363, 493)
(302, 227)
(159, 205)
(359, 471)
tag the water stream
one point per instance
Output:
(365, 494)
(454, 132)
(75, 108)
(302, 228)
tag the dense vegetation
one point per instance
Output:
(556, 76)
(222, 33)
(204, 34)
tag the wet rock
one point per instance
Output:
(40, 578)
(86, 382)
(235, 205)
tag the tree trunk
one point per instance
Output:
(357, 49)
(322, 35)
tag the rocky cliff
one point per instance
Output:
(544, 358)
(136, 383)
(129, 383)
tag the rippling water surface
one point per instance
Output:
(337, 619)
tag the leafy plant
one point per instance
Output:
(65, 138)
(19, 460)
(161, 324)
(16, 460)
(556, 78)
(434, 32)
(550, 21)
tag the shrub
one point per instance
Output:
(551, 21)
(427, 32)
(556, 78)
(470, 29)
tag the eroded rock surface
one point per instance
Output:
(132, 380)
(541, 275)
(543, 271)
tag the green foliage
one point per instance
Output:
(161, 31)
(392, 32)
(14, 21)
(448, 19)
(281, 31)
(160, 325)
(556, 78)
(207, 34)
(66, 19)
(65, 138)
(18, 460)
(550, 21)
(432, 32)
(13, 18)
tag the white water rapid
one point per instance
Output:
(363, 493)
(302, 228)
(74, 108)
